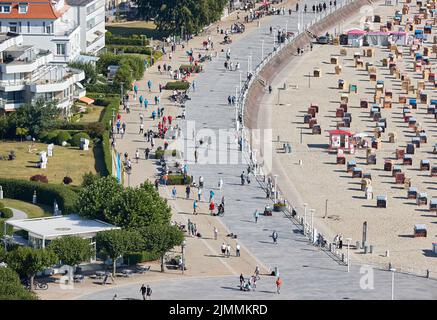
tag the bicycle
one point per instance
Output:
(37, 285)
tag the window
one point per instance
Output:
(60, 49)
(5, 8)
(13, 27)
(49, 29)
(28, 26)
(43, 27)
(22, 8)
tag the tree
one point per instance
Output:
(88, 68)
(95, 197)
(21, 132)
(27, 262)
(4, 126)
(116, 243)
(11, 287)
(36, 117)
(160, 239)
(72, 250)
(137, 208)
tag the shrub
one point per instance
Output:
(177, 85)
(67, 180)
(101, 102)
(62, 136)
(178, 179)
(95, 129)
(46, 193)
(6, 213)
(75, 141)
(101, 88)
(159, 153)
(191, 68)
(138, 257)
(39, 178)
(49, 137)
(173, 153)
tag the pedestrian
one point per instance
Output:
(141, 118)
(257, 272)
(121, 133)
(270, 89)
(237, 250)
(340, 242)
(195, 155)
(149, 85)
(229, 100)
(187, 191)
(199, 194)
(201, 181)
(211, 207)
(241, 282)
(248, 178)
(256, 215)
(215, 233)
(275, 237)
(228, 250)
(137, 155)
(146, 153)
(149, 293)
(278, 285)
(211, 196)
(141, 128)
(173, 193)
(220, 184)
(223, 248)
(146, 103)
(195, 207)
(156, 184)
(242, 177)
(143, 291)
(193, 84)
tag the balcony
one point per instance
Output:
(58, 82)
(27, 64)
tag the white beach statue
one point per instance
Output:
(84, 144)
(43, 159)
(50, 150)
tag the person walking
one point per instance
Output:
(143, 291)
(188, 191)
(146, 153)
(241, 282)
(141, 128)
(173, 193)
(195, 207)
(199, 194)
(242, 177)
(223, 249)
(149, 85)
(201, 182)
(257, 272)
(196, 154)
(215, 233)
(141, 118)
(137, 155)
(278, 285)
(211, 196)
(211, 207)
(275, 237)
(228, 250)
(148, 293)
(256, 215)
(220, 184)
(270, 89)
(340, 242)
(237, 250)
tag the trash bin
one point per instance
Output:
(371, 248)
(366, 248)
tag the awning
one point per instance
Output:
(87, 100)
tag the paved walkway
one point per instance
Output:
(18, 214)
(307, 273)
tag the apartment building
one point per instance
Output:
(64, 28)
(28, 73)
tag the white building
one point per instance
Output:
(64, 29)
(28, 73)
(40, 231)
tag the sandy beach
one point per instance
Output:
(319, 178)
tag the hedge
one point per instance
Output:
(66, 125)
(177, 179)
(6, 213)
(101, 88)
(177, 85)
(191, 68)
(62, 136)
(46, 193)
(126, 41)
(138, 257)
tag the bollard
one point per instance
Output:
(387, 253)
(34, 197)
(366, 249)
(371, 248)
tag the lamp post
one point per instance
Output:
(276, 186)
(183, 246)
(393, 270)
(305, 205)
(348, 261)
(312, 224)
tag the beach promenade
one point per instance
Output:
(307, 272)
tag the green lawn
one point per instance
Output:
(135, 27)
(32, 210)
(93, 114)
(66, 161)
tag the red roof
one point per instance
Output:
(339, 132)
(37, 9)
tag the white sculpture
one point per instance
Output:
(43, 159)
(50, 150)
(84, 144)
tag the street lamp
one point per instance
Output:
(393, 270)
(183, 246)
(348, 245)
(276, 186)
(312, 224)
(305, 205)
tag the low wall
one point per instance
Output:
(283, 58)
